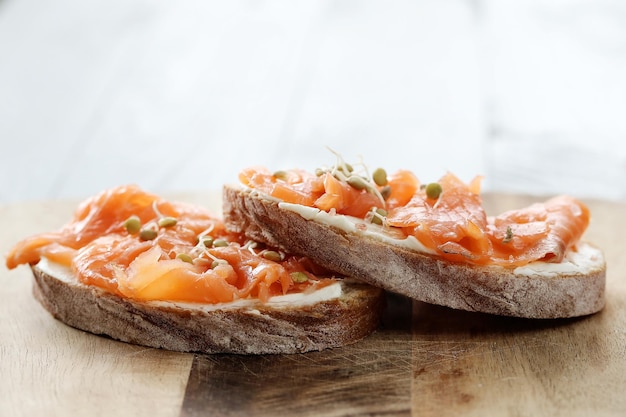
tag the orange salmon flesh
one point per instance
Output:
(452, 225)
(177, 263)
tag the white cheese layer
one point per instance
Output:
(582, 259)
(326, 293)
(355, 225)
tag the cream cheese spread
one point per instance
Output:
(582, 259)
(355, 225)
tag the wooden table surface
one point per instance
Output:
(425, 360)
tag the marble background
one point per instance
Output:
(179, 96)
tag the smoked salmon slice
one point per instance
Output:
(450, 223)
(178, 252)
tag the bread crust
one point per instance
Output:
(260, 329)
(487, 289)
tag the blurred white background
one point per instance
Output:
(179, 96)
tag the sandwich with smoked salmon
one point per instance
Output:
(144, 270)
(431, 242)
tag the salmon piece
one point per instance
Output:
(97, 262)
(345, 199)
(153, 276)
(297, 186)
(292, 194)
(59, 254)
(29, 251)
(259, 178)
(403, 184)
(101, 252)
(253, 272)
(454, 226)
(543, 231)
(100, 215)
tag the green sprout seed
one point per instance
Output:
(272, 255)
(281, 175)
(132, 224)
(185, 258)
(148, 234)
(218, 262)
(348, 167)
(220, 243)
(207, 241)
(380, 177)
(433, 190)
(299, 277)
(509, 235)
(357, 182)
(377, 218)
(167, 222)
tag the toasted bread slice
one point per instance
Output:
(574, 287)
(333, 316)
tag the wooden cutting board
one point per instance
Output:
(424, 360)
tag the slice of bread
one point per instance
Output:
(572, 288)
(333, 316)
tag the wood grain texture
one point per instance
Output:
(425, 360)
(48, 368)
(475, 363)
(372, 377)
